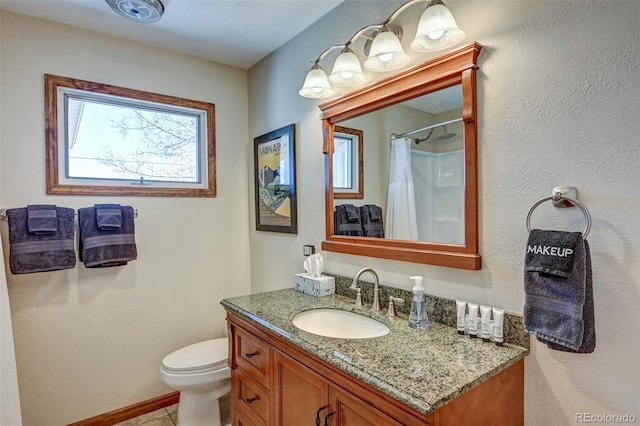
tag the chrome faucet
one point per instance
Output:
(376, 289)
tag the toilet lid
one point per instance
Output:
(203, 356)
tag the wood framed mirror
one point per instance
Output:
(420, 102)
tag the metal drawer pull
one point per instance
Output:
(252, 354)
(250, 400)
(318, 423)
(326, 419)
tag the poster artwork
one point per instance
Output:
(273, 182)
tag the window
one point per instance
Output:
(109, 140)
(347, 163)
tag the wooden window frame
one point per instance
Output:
(53, 145)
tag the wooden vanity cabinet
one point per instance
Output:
(304, 397)
(277, 383)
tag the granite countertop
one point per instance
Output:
(424, 369)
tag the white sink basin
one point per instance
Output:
(339, 324)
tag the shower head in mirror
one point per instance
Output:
(445, 135)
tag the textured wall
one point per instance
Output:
(558, 105)
(89, 341)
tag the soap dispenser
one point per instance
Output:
(418, 315)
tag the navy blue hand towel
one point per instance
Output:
(346, 220)
(108, 216)
(551, 252)
(99, 248)
(588, 316)
(42, 218)
(353, 213)
(371, 218)
(559, 311)
(375, 212)
(31, 252)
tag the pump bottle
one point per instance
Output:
(418, 315)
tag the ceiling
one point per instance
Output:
(233, 32)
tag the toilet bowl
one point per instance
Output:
(201, 374)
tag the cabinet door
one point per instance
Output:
(350, 410)
(298, 393)
(242, 420)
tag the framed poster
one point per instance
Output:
(275, 181)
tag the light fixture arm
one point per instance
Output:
(407, 5)
(326, 52)
(358, 34)
(362, 31)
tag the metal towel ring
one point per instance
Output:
(557, 197)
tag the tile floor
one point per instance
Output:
(168, 416)
(162, 417)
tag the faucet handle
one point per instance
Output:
(393, 301)
(359, 299)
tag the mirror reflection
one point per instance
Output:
(431, 218)
(413, 187)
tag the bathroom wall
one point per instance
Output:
(89, 341)
(557, 106)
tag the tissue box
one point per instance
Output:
(315, 286)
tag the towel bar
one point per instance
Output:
(557, 196)
(3, 214)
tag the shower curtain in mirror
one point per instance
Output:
(401, 223)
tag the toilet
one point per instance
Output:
(201, 374)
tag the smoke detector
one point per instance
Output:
(143, 11)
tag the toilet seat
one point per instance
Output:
(201, 357)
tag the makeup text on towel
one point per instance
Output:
(550, 251)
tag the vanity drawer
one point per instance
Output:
(252, 398)
(253, 356)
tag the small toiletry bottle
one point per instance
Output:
(418, 315)
(473, 320)
(485, 315)
(461, 307)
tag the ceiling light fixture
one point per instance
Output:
(143, 11)
(437, 30)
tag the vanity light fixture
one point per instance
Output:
(316, 84)
(437, 30)
(346, 69)
(386, 52)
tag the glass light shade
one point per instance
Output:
(346, 70)
(386, 53)
(437, 30)
(316, 84)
